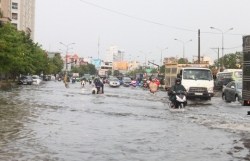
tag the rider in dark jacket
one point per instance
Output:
(176, 87)
(98, 85)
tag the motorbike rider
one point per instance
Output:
(172, 92)
(98, 85)
(153, 87)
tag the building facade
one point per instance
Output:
(113, 54)
(5, 6)
(21, 13)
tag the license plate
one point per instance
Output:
(197, 93)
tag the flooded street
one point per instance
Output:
(51, 122)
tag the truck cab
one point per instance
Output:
(196, 78)
(198, 82)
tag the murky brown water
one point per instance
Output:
(51, 122)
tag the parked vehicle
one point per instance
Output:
(26, 79)
(232, 91)
(220, 83)
(126, 81)
(228, 75)
(114, 82)
(36, 79)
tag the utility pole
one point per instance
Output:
(98, 46)
(199, 49)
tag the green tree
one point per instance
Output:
(75, 70)
(162, 70)
(57, 63)
(154, 70)
(20, 55)
(92, 69)
(230, 61)
(84, 69)
(109, 72)
(12, 50)
(116, 73)
(1, 16)
(182, 61)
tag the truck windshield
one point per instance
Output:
(198, 74)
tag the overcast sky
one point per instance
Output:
(142, 25)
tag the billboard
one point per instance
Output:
(120, 65)
(96, 62)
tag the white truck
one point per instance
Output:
(196, 78)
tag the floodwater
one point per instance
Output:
(49, 122)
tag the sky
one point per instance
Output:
(142, 28)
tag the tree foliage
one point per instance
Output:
(85, 69)
(182, 61)
(230, 61)
(20, 55)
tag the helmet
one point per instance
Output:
(178, 80)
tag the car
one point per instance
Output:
(25, 79)
(114, 82)
(219, 83)
(232, 91)
(36, 79)
(126, 81)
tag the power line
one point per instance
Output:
(137, 17)
(156, 23)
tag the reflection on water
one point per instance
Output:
(51, 122)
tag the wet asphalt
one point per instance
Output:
(51, 122)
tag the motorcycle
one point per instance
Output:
(181, 100)
(73, 80)
(145, 85)
(134, 83)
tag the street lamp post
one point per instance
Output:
(218, 57)
(222, 49)
(161, 54)
(184, 43)
(65, 57)
(145, 57)
(134, 59)
(67, 48)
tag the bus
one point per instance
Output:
(228, 75)
(246, 71)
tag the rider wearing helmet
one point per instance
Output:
(98, 85)
(176, 87)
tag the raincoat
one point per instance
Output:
(176, 87)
